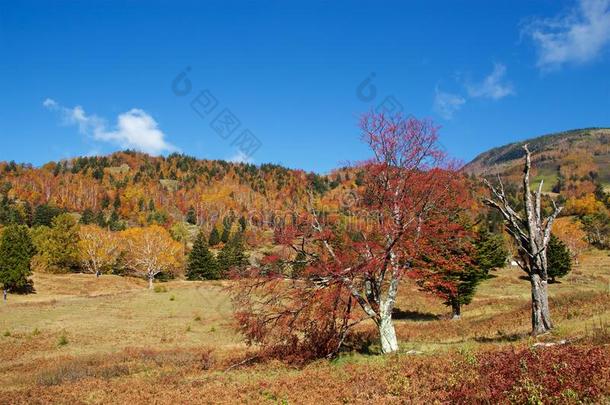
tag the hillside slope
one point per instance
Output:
(130, 189)
(571, 162)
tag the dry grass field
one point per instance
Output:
(110, 340)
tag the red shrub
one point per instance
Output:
(558, 374)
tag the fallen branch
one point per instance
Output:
(241, 363)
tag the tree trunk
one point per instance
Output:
(456, 310)
(541, 316)
(4, 294)
(150, 282)
(389, 343)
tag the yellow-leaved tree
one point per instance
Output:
(150, 251)
(98, 249)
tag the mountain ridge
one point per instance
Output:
(573, 160)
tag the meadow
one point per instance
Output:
(79, 339)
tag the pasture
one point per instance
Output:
(79, 339)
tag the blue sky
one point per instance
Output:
(81, 78)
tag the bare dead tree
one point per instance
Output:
(532, 234)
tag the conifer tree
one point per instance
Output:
(44, 214)
(191, 216)
(224, 238)
(59, 249)
(88, 217)
(117, 202)
(242, 223)
(491, 251)
(559, 258)
(465, 264)
(214, 237)
(100, 220)
(201, 263)
(16, 251)
(232, 256)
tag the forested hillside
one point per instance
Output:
(571, 162)
(129, 189)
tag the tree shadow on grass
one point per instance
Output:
(399, 314)
(27, 288)
(501, 337)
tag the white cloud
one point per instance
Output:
(49, 103)
(576, 37)
(135, 129)
(446, 104)
(493, 86)
(240, 157)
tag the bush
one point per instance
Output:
(63, 340)
(160, 289)
(556, 374)
(75, 370)
(207, 359)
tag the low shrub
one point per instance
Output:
(537, 375)
(160, 289)
(63, 340)
(75, 370)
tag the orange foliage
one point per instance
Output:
(151, 250)
(97, 248)
(585, 205)
(570, 231)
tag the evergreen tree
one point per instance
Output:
(100, 220)
(88, 217)
(242, 223)
(98, 173)
(105, 202)
(491, 251)
(559, 258)
(232, 256)
(59, 249)
(466, 283)
(141, 203)
(191, 216)
(29, 215)
(11, 213)
(201, 263)
(601, 195)
(117, 202)
(115, 223)
(16, 251)
(214, 237)
(44, 214)
(224, 238)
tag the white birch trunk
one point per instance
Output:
(387, 333)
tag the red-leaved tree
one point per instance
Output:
(447, 268)
(408, 192)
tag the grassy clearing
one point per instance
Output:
(110, 340)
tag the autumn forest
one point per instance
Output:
(319, 268)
